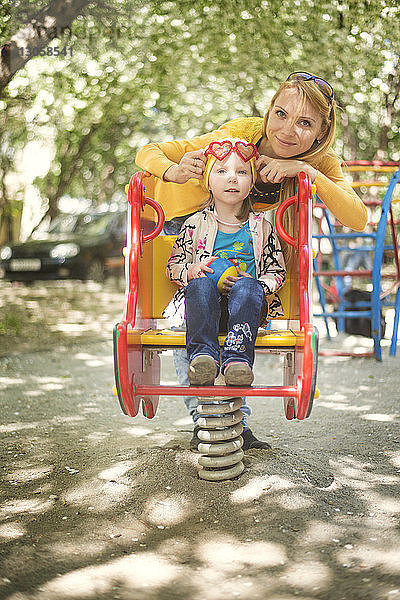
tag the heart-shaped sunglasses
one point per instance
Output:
(221, 150)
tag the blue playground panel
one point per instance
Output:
(372, 308)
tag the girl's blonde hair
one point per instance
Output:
(211, 160)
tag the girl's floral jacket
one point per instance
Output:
(195, 242)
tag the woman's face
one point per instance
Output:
(289, 131)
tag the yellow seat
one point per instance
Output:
(157, 338)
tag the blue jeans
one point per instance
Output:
(203, 314)
(181, 362)
(180, 357)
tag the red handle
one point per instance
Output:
(136, 239)
(301, 242)
(278, 221)
(161, 219)
(135, 190)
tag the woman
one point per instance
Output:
(295, 135)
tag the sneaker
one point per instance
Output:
(238, 373)
(195, 441)
(202, 370)
(250, 441)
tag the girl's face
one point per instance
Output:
(289, 131)
(230, 180)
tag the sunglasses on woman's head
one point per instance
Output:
(323, 85)
(221, 150)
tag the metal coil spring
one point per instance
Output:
(221, 440)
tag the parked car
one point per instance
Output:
(80, 246)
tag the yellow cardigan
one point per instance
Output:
(182, 199)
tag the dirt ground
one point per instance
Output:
(95, 505)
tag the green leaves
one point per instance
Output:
(154, 70)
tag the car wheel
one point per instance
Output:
(95, 271)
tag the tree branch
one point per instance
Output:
(68, 169)
(47, 24)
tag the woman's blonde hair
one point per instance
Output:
(308, 90)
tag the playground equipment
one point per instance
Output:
(221, 442)
(382, 225)
(141, 337)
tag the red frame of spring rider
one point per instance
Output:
(304, 253)
(131, 389)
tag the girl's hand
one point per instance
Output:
(275, 170)
(229, 282)
(199, 269)
(191, 166)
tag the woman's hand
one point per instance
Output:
(229, 282)
(275, 170)
(199, 269)
(191, 166)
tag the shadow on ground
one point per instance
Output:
(96, 505)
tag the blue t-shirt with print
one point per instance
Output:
(238, 248)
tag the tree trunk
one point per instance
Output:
(47, 24)
(68, 168)
(391, 99)
(349, 141)
(6, 220)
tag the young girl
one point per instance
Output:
(226, 227)
(296, 134)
